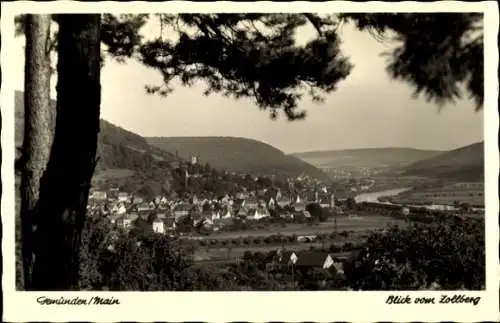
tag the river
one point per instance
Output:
(373, 197)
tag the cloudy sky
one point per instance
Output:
(367, 110)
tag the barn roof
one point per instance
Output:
(312, 259)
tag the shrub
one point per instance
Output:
(334, 248)
(450, 253)
(278, 238)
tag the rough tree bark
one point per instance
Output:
(66, 182)
(38, 128)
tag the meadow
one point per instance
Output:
(443, 196)
(354, 229)
(344, 223)
(212, 256)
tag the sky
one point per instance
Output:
(367, 110)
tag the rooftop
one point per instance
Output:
(312, 259)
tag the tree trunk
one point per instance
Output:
(66, 182)
(38, 128)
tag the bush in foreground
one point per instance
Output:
(451, 254)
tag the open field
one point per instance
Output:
(233, 258)
(444, 196)
(358, 228)
(440, 200)
(343, 224)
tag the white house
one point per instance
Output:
(114, 209)
(258, 213)
(215, 215)
(208, 223)
(271, 203)
(283, 201)
(121, 209)
(127, 220)
(158, 226)
(99, 195)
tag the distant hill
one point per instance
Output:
(238, 155)
(462, 164)
(121, 152)
(129, 161)
(372, 157)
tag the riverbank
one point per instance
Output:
(373, 197)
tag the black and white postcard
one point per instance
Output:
(254, 161)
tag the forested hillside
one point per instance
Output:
(462, 164)
(239, 155)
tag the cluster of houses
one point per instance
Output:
(165, 215)
(307, 260)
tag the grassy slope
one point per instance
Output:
(366, 157)
(238, 154)
(462, 164)
(123, 153)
